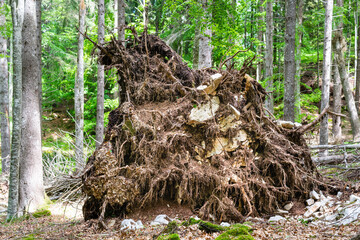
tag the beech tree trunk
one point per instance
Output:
(100, 77)
(299, 17)
(31, 187)
(269, 102)
(17, 12)
(357, 95)
(339, 45)
(121, 20)
(79, 92)
(289, 61)
(325, 87)
(4, 96)
(205, 40)
(336, 128)
(260, 39)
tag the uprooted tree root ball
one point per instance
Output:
(198, 138)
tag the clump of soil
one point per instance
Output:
(197, 138)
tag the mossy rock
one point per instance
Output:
(236, 232)
(173, 236)
(41, 213)
(211, 227)
(171, 227)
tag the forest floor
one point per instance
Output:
(66, 222)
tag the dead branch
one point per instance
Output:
(306, 127)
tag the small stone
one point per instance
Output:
(288, 206)
(161, 220)
(282, 211)
(310, 202)
(225, 224)
(318, 215)
(331, 217)
(129, 224)
(314, 195)
(313, 208)
(277, 218)
(111, 223)
(353, 198)
(339, 195)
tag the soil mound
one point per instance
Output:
(196, 138)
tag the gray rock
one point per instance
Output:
(161, 220)
(225, 224)
(130, 224)
(288, 206)
(339, 195)
(310, 202)
(277, 218)
(314, 195)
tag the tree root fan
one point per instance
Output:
(199, 138)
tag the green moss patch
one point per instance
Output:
(236, 232)
(173, 236)
(41, 213)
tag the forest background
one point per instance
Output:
(229, 27)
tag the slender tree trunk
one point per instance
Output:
(260, 39)
(17, 11)
(269, 102)
(4, 96)
(121, 20)
(100, 77)
(357, 96)
(121, 36)
(336, 128)
(289, 58)
(356, 42)
(79, 92)
(38, 52)
(196, 48)
(339, 49)
(298, 58)
(325, 87)
(31, 187)
(204, 41)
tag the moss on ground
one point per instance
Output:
(173, 236)
(41, 213)
(236, 232)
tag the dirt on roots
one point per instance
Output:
(198, 138)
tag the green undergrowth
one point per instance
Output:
(172, 236)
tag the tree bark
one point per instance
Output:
(79, 92)
(31, 187)
(336, 128)
(121, 37)
(299, 17)
(100, 77)
(4, 96)
(339, 45)
(289, 58)
(357, 96)
(269, 102)
(325, 89)
(121, 20)
(260, 39)
(205, 40)
(17, 11)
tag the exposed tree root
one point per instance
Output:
(235, 163)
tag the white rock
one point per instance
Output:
(282, 211)
(339, 195)
(310, 202)
(314, 195)
(204, 111)
(331, 217)
(288, 206)
(129, 224)
(225, 224)
(353, 198)
(277, 218)
(319, 215)
(316, 206)
(161, 220)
